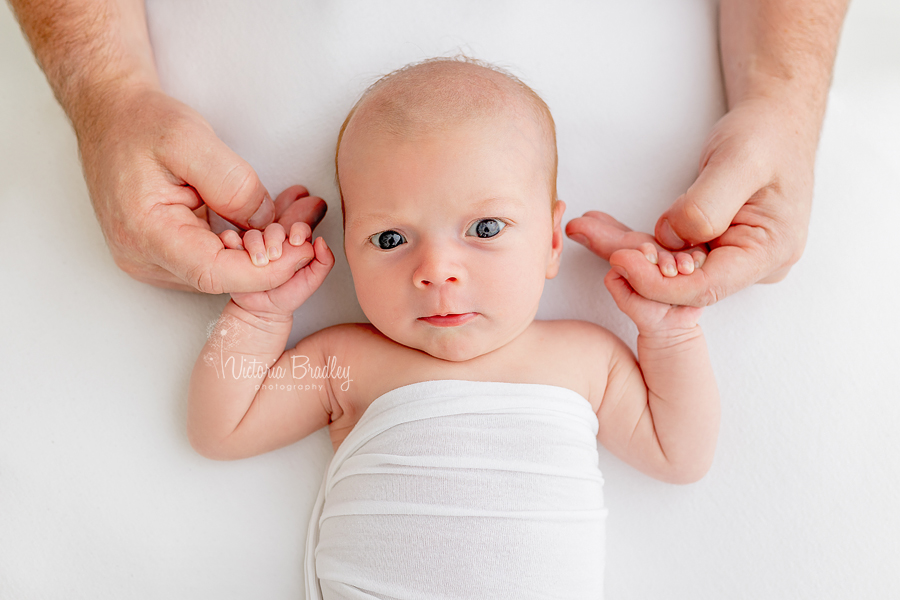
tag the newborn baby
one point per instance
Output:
(465, 431)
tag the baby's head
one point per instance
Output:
(447, 173)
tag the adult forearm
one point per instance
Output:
(88, 49)
(781, 48)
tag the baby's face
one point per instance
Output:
(449, 235)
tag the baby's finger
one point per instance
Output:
(321, 265)
(273, 237)
(231, 239)
(699, 257)
(324, 254)
(649, 250)
(667, 263)
(256, 247)
(621, 291)
(300, 232)
(685, 263)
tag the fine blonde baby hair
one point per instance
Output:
(440, 92)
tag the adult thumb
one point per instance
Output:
(230, 187)
(708, 207)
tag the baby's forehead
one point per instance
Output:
(434, 96)
(428, 100)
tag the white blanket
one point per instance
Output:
(462, 489)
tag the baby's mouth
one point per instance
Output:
(449, 319)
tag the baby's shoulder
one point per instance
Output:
(577, 336)
(359, 355)
(352, 340)
(573, 354)
(349, 331)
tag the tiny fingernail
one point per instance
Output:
(273, 252)
(696, 264)
(296, 240)
(669, 270)
(261, 259)
(652, 258)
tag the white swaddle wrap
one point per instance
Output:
(462, 489)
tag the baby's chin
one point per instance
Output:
(452, 352)
(451, 348)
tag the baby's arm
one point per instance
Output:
(660, 413)
(242, 398)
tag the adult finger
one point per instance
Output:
(226, 182)
(726, 270)
(295, 205)
(726, 182)
(199, 258)
(153, 275)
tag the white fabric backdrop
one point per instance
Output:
(101, 495)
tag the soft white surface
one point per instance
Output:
(497, 482)
(101, 495)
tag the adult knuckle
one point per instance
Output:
(796, 249)
(126, 264)
(117, 238)
(784, 248)
(709, 296)
(701, 222)
(202, 278)
(239, 182)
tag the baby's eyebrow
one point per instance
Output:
(372, 219)
(486, 207)
(498, 203)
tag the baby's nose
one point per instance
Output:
(426, 282)
(437, 267)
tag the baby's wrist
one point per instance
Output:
(669, 337)
(269, 322)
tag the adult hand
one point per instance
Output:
(153, 166)
(751, 203)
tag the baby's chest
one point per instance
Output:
(536, 358)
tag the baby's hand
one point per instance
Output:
(263, 246)
(682, 262)
(281, 302)
(610, 237)
(633, 254)
(651, 317)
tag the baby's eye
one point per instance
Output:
(386, 240)
(486, 228)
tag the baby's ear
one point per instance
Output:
(556, 242)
